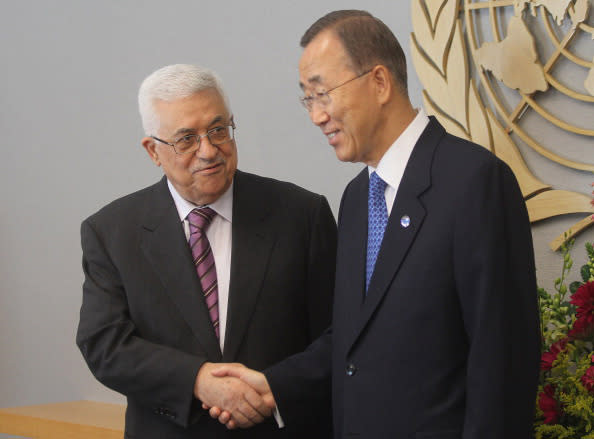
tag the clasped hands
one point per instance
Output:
(233, 394)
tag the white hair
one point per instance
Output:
(173, 82)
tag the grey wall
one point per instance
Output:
(70, 134)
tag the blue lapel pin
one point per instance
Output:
(405, 221)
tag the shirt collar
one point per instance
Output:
(391, 166)
(223, 206)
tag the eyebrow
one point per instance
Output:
(183, 131)
(216, 120)
(316, 79)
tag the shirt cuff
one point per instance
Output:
(277, 418)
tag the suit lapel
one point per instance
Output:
(253, 237)
(165, 247)
(397, 238)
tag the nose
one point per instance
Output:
(318, 115)
(206, 150)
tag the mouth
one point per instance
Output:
(209, 169)
(331, 136)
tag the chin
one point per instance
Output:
(343, 156)
(212, 193)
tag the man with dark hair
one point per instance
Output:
(366, 41)
(435, 330)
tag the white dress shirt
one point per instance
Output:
(219, 237)
(393, 163)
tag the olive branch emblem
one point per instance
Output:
(440, 56)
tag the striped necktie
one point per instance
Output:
(199, 220)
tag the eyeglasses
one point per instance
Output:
(323, 98)
(191, 142)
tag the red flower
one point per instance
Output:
(583, 299)
(547, 358)
(548, 404)
(588, 379)
(583, 326)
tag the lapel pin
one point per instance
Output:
(405, 221)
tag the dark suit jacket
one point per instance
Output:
(446, 342)
(144, 328)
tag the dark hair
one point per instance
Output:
(366, 40)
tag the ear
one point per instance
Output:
(151, 148)
(383, 82)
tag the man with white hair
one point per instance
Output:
(208, 265)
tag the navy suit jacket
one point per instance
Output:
(445, 344)
(144, 327)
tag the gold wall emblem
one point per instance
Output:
(462, 46)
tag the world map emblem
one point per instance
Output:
(503, 74)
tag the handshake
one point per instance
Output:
(235, 395)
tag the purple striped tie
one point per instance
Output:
(199, 220)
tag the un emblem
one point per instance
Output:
(497, 71)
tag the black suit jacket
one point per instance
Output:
(446, 342)
(144, 328)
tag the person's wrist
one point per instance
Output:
(201, 376)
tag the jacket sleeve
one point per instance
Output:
(495, 279)
(155, 375)
(301, 384)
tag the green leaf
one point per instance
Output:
(573, 287)
(542, 292)
(585, 272)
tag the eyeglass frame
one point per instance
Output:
(199, 138)
(309, 101)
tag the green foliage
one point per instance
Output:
(572, 403)
(574, 286)
(585, 271)
(556, 313)
(554, 431)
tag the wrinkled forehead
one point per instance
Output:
(322, 61)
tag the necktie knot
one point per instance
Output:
(200, 218)
(377, 187)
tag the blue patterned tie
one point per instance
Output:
(376, 222)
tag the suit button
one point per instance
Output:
(351, 369)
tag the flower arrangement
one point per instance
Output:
(565, 400)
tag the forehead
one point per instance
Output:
(196, 111)
(322, 61)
